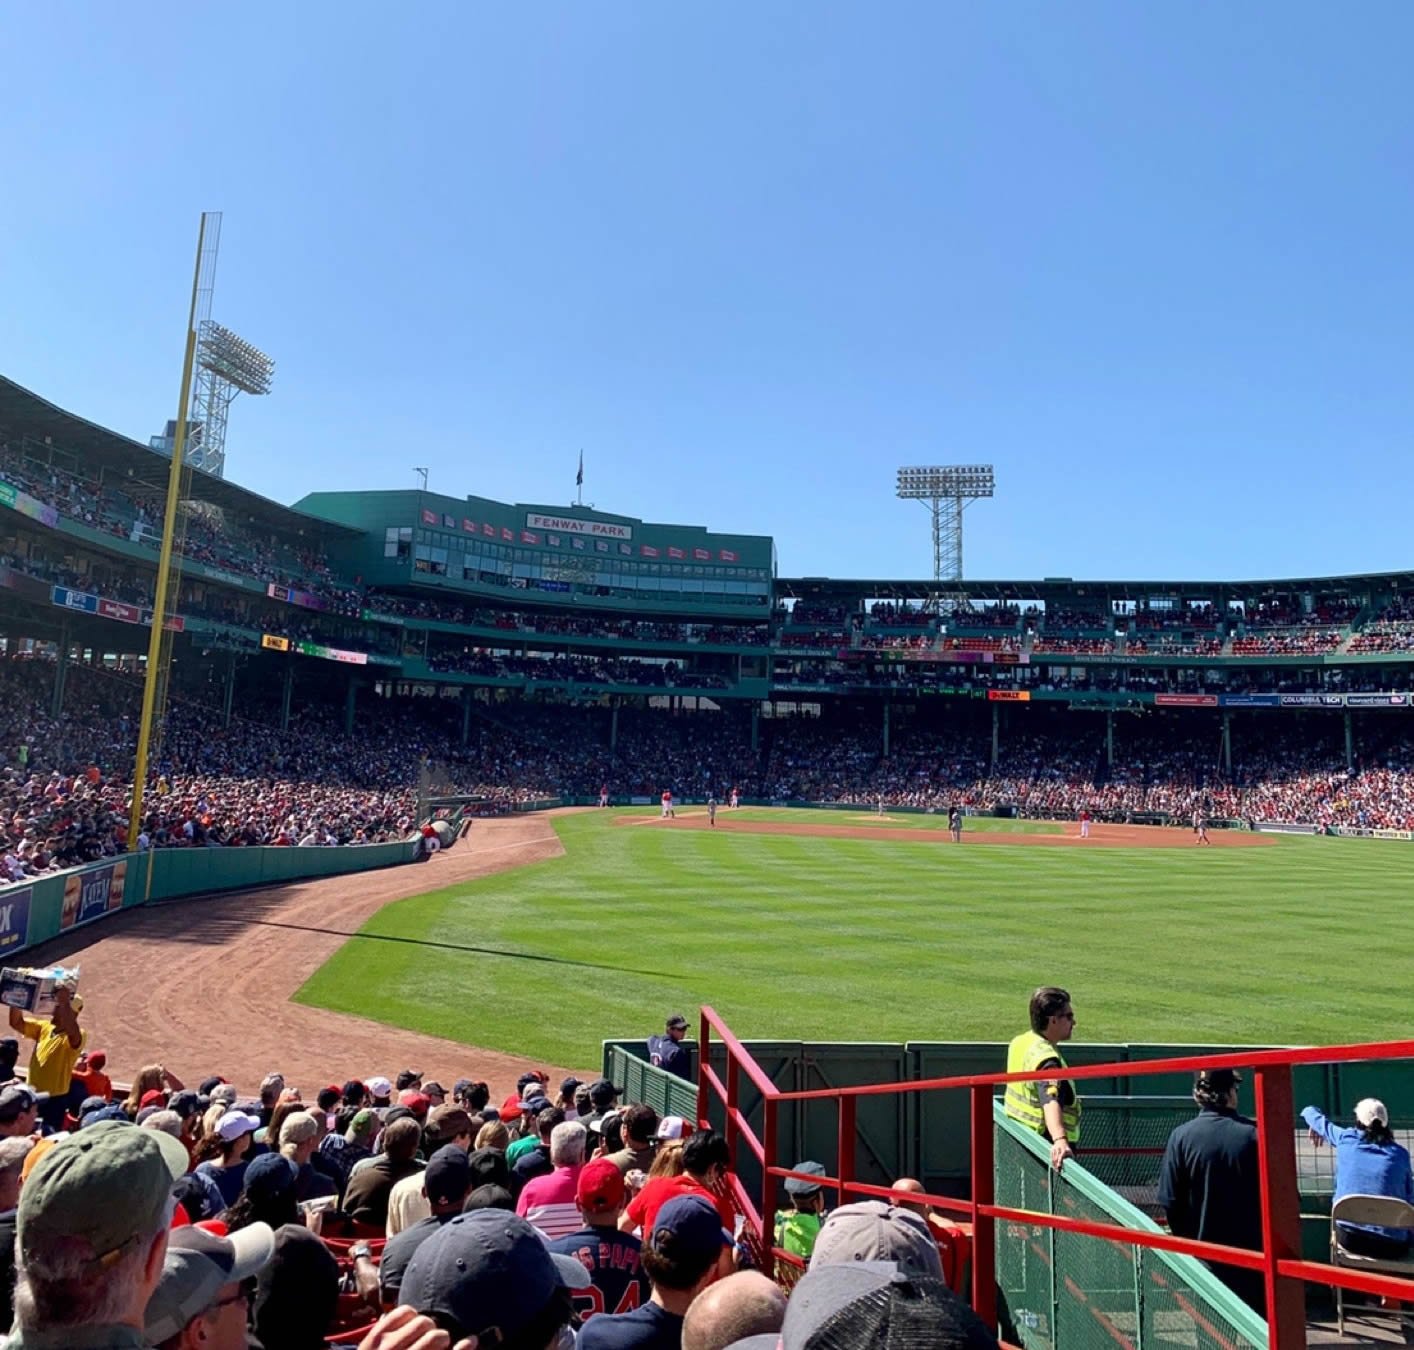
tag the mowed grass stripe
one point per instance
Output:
(817, 938)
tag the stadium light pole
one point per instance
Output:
(946, 490)
(205, 258)
(226, 365)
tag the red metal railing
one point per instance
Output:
(1284, 1272)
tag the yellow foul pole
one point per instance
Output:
(164, 558)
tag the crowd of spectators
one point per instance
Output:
(392, 1212)
(576, 668)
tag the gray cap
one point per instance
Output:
(799, 1186)
(871, 1230)
(197, 1264)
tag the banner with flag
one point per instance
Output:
(488, 530)
(726, 555)
(702, 555)
(675, 552)
(648, 551)
(428, 517)
(579, 477)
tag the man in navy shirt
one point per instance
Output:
(687, 1250)
(666, 1051)
(610, 1257)
(1209, 1184)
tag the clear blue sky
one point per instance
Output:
(1153, 261)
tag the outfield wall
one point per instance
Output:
(54, 905)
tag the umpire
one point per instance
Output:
(1049, 1106)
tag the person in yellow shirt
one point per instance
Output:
(1050, 1107)
(58, 1041)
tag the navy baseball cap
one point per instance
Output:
(688, 1227)
(447, 1175)
(269, 1175)
(487, 1271)
(603, 1093)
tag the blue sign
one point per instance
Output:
(14, 918)
(67, 599)
(1249, 700)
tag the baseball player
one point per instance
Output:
(1085, 823)
(1200, 828)
(668, 813)
(955, 823)
(735, 799)
(712, 809)
(603, 795)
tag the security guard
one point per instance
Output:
(1049, 1106)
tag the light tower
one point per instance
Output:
(226, 365)
(946, 489)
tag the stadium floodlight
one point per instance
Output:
(946, 489)
(226, 365)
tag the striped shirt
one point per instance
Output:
(548, 1203)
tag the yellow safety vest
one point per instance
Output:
(1023, 1100)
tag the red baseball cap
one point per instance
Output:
(600, 1186)
(419, 1103)
(511, 1107)
(153, 1097)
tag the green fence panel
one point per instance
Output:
(780, 1062)
(883, 1149)
(1079, 1293)
(626, 1066)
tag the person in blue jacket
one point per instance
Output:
(1367, 1162)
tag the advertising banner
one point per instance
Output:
(1249, 700)
(468, 525)
(14, 917)
(27, 506)
(92, 893)
(726, 555)
(112, 609)
(648, 551)
(271, 643)
(332, 653)
(675, 552)
(1312, 701)
(1377, 700)
(702, 555)
(428, 517)
(1008, 696)
(69, 599)
(1186, 700)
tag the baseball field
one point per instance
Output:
(906, 936)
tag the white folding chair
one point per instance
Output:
(1383, 1211)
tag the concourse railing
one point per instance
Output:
(1283, 1270)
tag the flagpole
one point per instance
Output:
(579, 482)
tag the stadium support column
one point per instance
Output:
(886, 728)
(230, 690)
(1110, 739)
(61, 669)
(1349, 743)
(466, 715)
(1227, 744)
(756, 728)
(996, 733)
(350, 703)
(614, 727)
(285, 697)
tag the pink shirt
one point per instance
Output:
(549, 1204)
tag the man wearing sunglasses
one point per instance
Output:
(202, 1301)
(1049, 1106)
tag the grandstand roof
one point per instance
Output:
(25, 413)
(1057, 588)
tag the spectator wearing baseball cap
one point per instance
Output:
(445, 1185)
(705, 1160)
(687, 1250)
(202, 1298)
(13, 1155)
(435, 1093)
(488, 1274)
(548, 1202)
(565, 1101)
(19, 1111)
(380, 1092)
(874, 1230)
(221, 1155)
(89, 1074)
(602, 1096)
(1209, 1182)
(667, 1051)
(268, 1195)
(407, 1201)
(409, 1078)
(612, 1258)
(343, 1152)
(91, 1235)
(638, 1128)
(871, 1303)
(798, 1225)
(1368, 1161)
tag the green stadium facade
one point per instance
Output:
(411, 593)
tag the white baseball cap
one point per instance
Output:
(1369, 1110)
(379, 1087)
(672, 1127)
(233, 1124)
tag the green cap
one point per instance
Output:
(109, 1185)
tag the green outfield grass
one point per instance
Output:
(860, 816)
(832, 939)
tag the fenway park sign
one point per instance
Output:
(602, 529)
